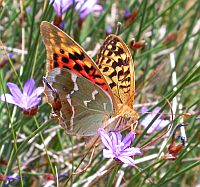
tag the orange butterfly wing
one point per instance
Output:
(116, 64)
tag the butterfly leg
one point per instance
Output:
(134, 126)
(90, 160)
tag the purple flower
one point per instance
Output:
(158, 124)
(85, 7)
(117, 148)
(108, 29)
(8, 179)
(12, 178)
(26, 99)
(60, 6)
(127, 13)
(62, 176)
(28, 9)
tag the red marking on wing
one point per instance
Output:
(78, 67)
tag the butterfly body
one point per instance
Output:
(86, 95)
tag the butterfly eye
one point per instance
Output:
(127, 115)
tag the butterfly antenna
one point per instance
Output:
(48, 85)
(118, 28)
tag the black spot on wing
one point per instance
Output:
(65, 60)
(71, 56)
(55, 56)
(62, 51)
(113, 84)
(66, 67)
(77, 67)
(114, 73)
(124, 86)
(105, 69)
(108, 61)
(99, 83)
(109, 53)
(87, 69)
(55, 64)
(119, 51)
(97, 76)
(77, 56)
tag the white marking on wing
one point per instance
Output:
(86, 102)
(104, 106)
(68, 97)
(74, 79)
(94, 93)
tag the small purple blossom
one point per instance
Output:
(117, 148)
(28, 9)
(108, 29)
(8, 179)
(85, 7)
(12, 178)
(7, 56)
(127, 13)
(60, 6)
(26, 99)
(62, 176)
(158, 124)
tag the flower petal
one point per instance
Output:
(28, 87)
(128, 139)
(155, 112)
(150, 130)
(144, 110)
(9, 99)
(86, 7)
(60, 6)
(105, 138)
(38, 91)
(116, 137)
(162, 124)
(127, 13)
(15, 91)
(133, 151)
(32, 102)
(108, 153)
(158, 125)
(127, 160)
(34, 99)
(147, 120)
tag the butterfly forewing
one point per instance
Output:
(116, 64)
(64, 52)
(84, 106)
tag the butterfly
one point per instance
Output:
(86, 95)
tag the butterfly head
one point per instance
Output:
(128, 114)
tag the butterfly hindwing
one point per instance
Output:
(116, 64)
(84, 106)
